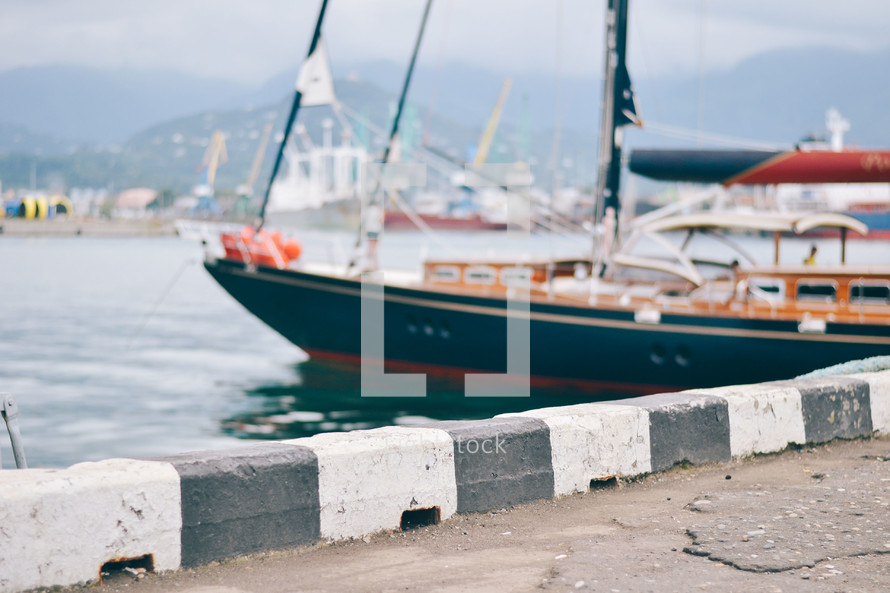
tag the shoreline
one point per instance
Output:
(17, 227)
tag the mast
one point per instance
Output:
(618, 111)
(398, 117)
(292, 116)
(374, 201)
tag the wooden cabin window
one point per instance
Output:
(480, 275)
(771, 289)
(446, 274)
(870, 293)
(516, 276)
(817, 291)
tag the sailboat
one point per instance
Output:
(608, 320)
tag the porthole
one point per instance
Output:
(658, 353)
(684, 355)
(428, 326)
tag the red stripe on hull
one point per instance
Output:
(456, 373)
(854, 166)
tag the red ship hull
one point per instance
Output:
(400, 221)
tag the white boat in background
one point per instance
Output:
(321, 186)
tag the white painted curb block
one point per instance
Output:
(591, 441)
(368, 478)
(762, 418)
(58, 527)
(879, 396)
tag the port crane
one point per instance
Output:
(491, 128)
(213, 156)
(246, 189)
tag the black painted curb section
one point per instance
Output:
(684, 427)
(247, 499)
(834, 407)
(500, 462)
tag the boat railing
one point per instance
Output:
(713, 292)
(761, 295)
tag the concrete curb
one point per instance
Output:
(60, 527)
(246, 500)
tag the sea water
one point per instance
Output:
(125, 347)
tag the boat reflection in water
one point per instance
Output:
(325, 396)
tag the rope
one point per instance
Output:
(557, 115)
(420, 223)
(677, 132)
(701, 71)
(160, 299)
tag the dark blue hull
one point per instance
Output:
(596, 347)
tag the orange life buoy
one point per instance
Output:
(264, 248)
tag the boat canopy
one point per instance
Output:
(791, 222)
(687, 272)
(829, 219)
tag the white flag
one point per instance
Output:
(315, 82)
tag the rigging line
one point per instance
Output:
(636, 31)
(678, 132)
(557, 115)
(409, 212)
(569, 226)
(425, 137)
(337, 108)
(374, 128)
(160, 299)
(420, 223)
(557, 91)
(378, 131)
(564, 231)
(341, 118)
(398, 116)
(701, 70)
(292, 116)
(404, 95)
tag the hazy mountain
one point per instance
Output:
(95, 106)
(778, 97)
(468, 93)
(162, 122)
(16, 138)
(783, 95)
(169, 154)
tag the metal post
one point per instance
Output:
(10, 412)
(843, 245)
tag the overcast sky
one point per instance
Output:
(249, 41)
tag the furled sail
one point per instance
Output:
(316, 82)
(626, 114)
